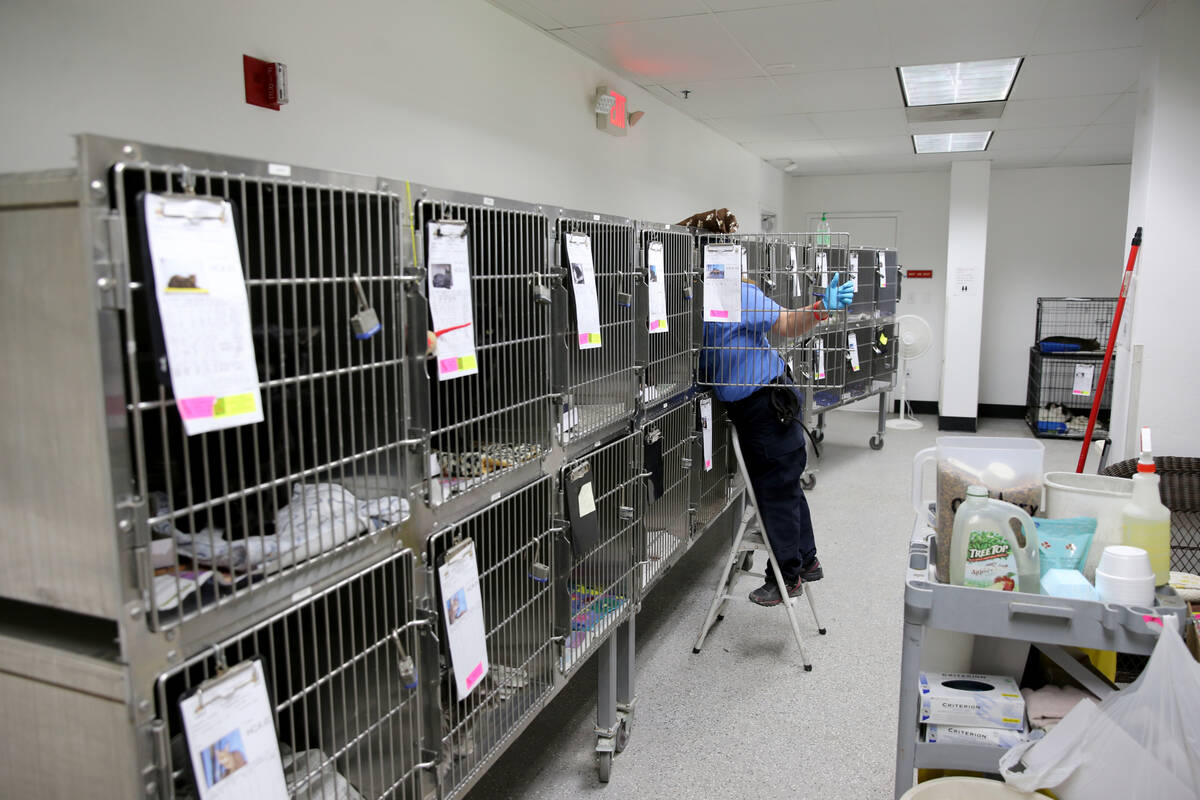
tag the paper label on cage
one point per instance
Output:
(852, 350)
(706, 431)
(231, 736)
(462, 609)
(823, 268)
(1084, 374)
(449, 288)
(794, 268)
(583, 286)
(656, 283)
(881, 265)
(200, 293)
(819, 347)
(723, 283)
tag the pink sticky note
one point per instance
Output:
(196, 407)
(448, 365)
(475, 675)
(583, 338)
(707, 463)
(718, 313)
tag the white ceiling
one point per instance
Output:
(814, 81)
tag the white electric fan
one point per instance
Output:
(915, 337)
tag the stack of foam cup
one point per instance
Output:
(1124, 576)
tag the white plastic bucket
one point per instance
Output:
(965, 789)
(1069, 494)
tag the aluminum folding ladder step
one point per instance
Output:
(750, 539)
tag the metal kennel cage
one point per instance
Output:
(668, 444)
(667, 347)
(713, 487)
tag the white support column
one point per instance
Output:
(1164, 198)
(966, 251)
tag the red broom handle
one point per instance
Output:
(1126, 279)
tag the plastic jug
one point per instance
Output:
(1010, 467)
(985, 553)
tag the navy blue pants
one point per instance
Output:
(775, 458)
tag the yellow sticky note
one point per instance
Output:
(883, 338)
(234, 404)
(594, 338)
(467, 362)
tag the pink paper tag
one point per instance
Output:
(583, 338)
(707, 463)
(448, 365)
(475, 675)
(196, 407)
(718, 313)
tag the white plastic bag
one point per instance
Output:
(1140, 742)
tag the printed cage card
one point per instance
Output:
(852, 351)
(656, 282)
(231, 737)
(200, 294)
(463, 613)
(794, 268)
(706, 431)
(1084, 376)
(881, 265)
(449, 286)
(722, 283)
(583, 286)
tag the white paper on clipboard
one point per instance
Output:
(463, 613)
(706, 431)
(449, 290)
(201, 297)
(656, 283)
(583, 285)
(723, 282)
(231, 737)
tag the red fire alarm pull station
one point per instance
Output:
(266, 82)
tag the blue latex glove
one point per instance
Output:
(838, 297)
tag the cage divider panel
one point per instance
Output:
(331, 403)
(333, 672)
(497, 422)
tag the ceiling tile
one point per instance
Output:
(1028, 157)
(1089, 156)
(576, 13)
(877, 122)
(1033, 138)
(668, 51)
(801, 151)
(805, 35)
(737, 5)
(780, 127)
(937, 31)
(958, 126)
(844, 90)
(1106, 136)
(1073, 25)
(896, 162)
(874, 146)
(1122, 111)
(729, 98)
(1073, 74)
(1054, 112)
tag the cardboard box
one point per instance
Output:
(974, 701)
(961, 734)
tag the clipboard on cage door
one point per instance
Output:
(452, 315)
(723, 282)
(581, 509)
(463, 615)
(581, 271)
(229, 726)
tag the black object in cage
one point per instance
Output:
(1060, 394)
(1073, 324)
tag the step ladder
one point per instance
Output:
(751, 538)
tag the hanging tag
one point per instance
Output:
(794, 268)
(722, 283)
(706, 431)
(583, 287)
(231, 736)
(852, 350)
(820, 350)
(1084, 375)
(450, 300)
(462, 610)
(823, 267)
(881, 261)
(656, 283)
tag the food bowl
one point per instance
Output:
(1125, 591)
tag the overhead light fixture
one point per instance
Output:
(791, 166)
(973, 142)
(958, 82)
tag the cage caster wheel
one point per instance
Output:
(623, 734)
(818, 435)
(821, 631)
(876, 442)
(808, 667)
(807, 482)
(604, 762)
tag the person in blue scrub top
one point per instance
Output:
(750, 377)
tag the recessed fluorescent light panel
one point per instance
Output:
(959, 82)
(951, 142)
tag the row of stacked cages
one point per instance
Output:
(143, 563)
(845, 358)
(1064, 367)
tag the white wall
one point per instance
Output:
(920, 204)
(1052, 232)
(454, 93)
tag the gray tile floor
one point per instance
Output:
(742, 719)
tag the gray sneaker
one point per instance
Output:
(768, 594)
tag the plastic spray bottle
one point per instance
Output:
(1145, 521)
(823, 232)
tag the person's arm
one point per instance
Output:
(796, 323)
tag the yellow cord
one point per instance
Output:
(412, 231)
